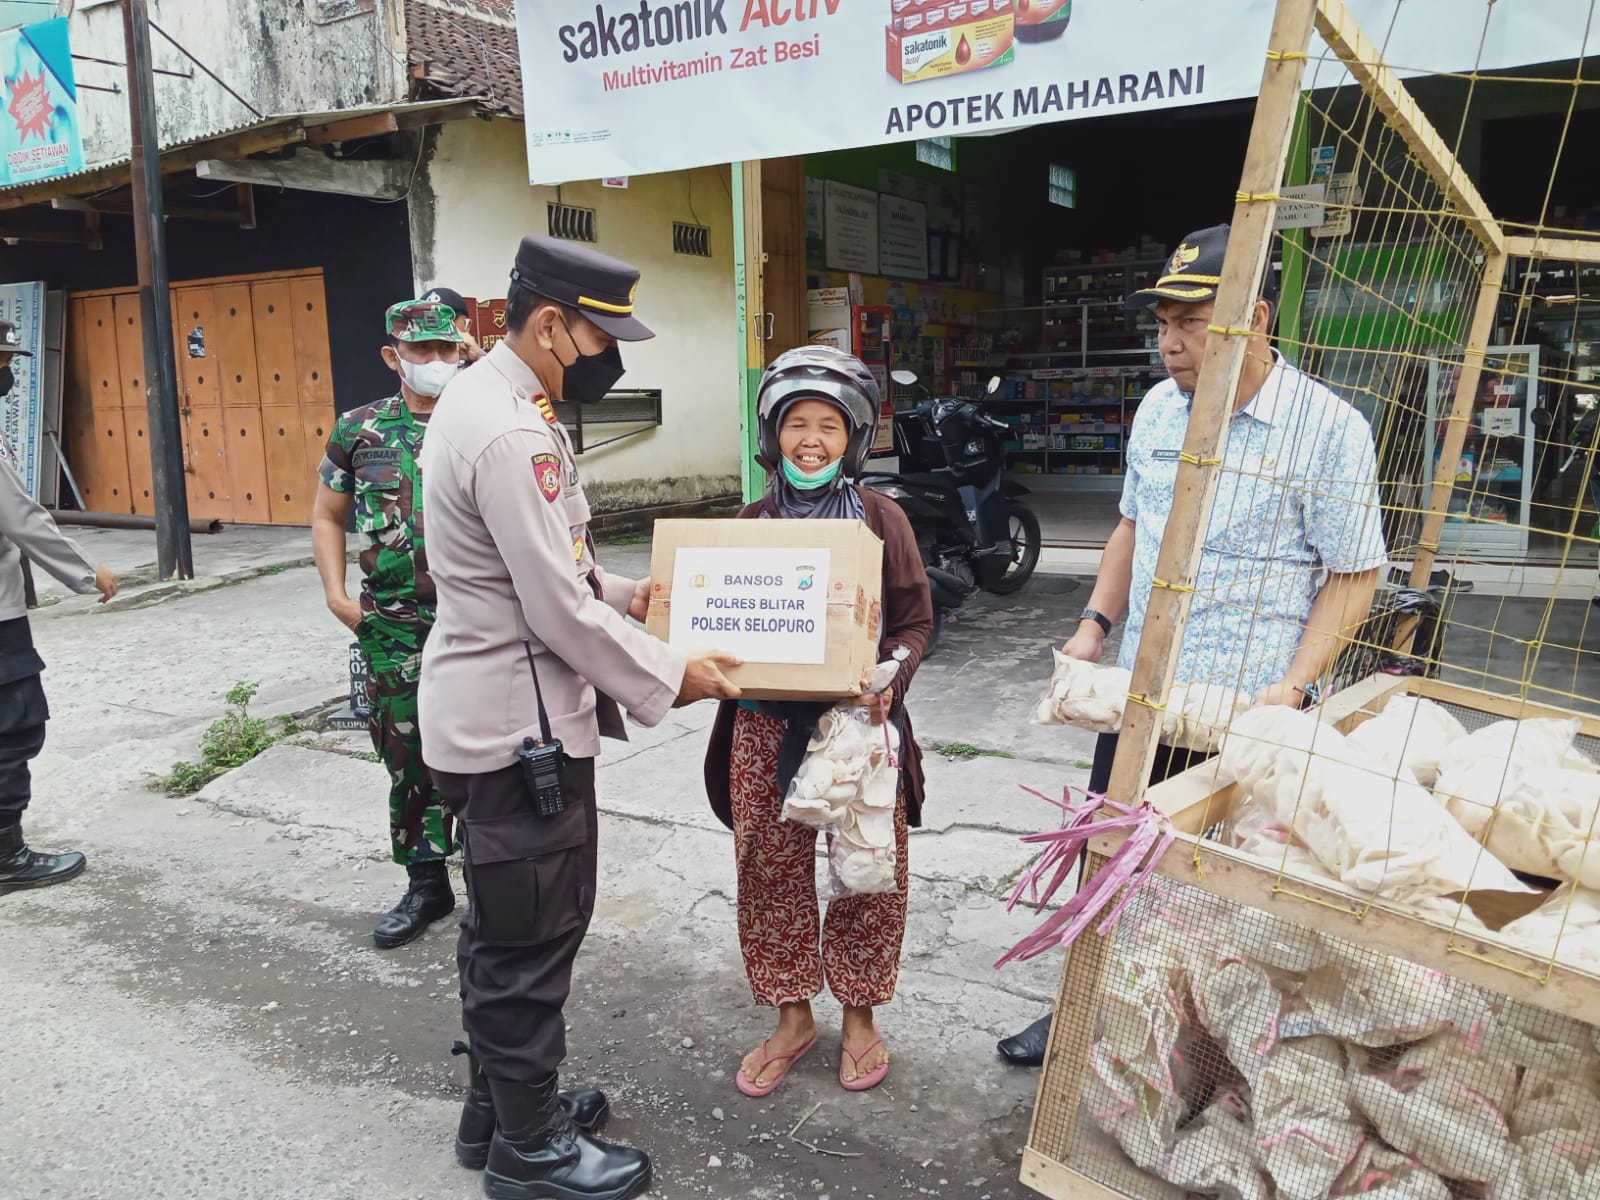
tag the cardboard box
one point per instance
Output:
(798, 600)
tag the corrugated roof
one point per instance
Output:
(467, 48)
(103, 174)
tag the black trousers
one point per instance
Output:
(1169, 762)
(531, 886)
(23, 712)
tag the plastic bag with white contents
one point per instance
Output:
(1411, 733)
(1085, 695)
(1196, 714)
(861, 846)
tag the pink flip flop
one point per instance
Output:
(868, 1081)
(757, 1090)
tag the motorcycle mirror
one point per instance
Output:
(904, 378)
(994, 385)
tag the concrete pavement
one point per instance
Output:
(203, 1014)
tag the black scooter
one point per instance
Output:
(971, 527)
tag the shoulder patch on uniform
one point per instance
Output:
(547, 474)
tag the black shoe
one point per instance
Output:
(428, 899)
(587, 1109)
(1027, 1048)
(21, 868)
(538, 1153)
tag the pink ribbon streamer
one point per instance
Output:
(1133, 865)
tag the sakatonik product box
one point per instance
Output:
(799, 601)
(934, 39)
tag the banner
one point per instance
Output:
(39, 134)
(22, 415)
(619, 87)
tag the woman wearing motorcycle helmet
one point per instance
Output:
(817, 409)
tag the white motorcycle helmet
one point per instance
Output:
(818, 373)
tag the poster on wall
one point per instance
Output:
(617, 87)
(23, 418)
(816, 223)
(40, 137)
(489, 322)
(902, 238)
(850, 218)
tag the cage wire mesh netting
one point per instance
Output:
(1236, 1054)
(1443, 434)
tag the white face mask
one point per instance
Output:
(429, 378)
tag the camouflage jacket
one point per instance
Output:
(372, 454)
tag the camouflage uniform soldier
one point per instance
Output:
(371, 466)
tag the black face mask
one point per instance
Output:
(588, 377)
(7, 380)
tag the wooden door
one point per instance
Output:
(239, 357)
(255, 397)
(783, 245)
(95, 434)
(200, 404)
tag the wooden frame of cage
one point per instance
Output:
(1187, 798)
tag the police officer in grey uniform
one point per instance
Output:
(528, 620)
(25, 528)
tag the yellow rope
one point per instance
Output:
(1231, 330)
(1252, 197)
(1172, 587)
(1286, 56)
(1136, 698)
(1196, 461)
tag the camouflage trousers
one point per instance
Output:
(421, 828)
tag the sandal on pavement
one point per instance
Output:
(757, 1090)
(865, 1082)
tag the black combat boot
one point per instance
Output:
(587, 1109)
(22, 868)
(427, 900)
(538, 1153)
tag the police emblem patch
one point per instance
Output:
(547, 474)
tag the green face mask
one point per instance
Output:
(808, 481)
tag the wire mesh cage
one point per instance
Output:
(1385, 484)
(1236, 1054)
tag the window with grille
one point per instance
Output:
(1063, 186)
(571, 223)
(691, 239)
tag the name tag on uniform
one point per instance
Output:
(376, 456)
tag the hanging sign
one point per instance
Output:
(39, 133)
(617, 87)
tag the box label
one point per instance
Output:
(766, 606)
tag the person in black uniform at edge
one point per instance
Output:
(25, 528)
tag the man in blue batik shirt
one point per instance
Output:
(1294, 544)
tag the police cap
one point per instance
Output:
(449, 297)
(11, 341)
(598, 286)
(1194, 271)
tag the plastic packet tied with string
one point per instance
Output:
(1094, 698)
(848, 785)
